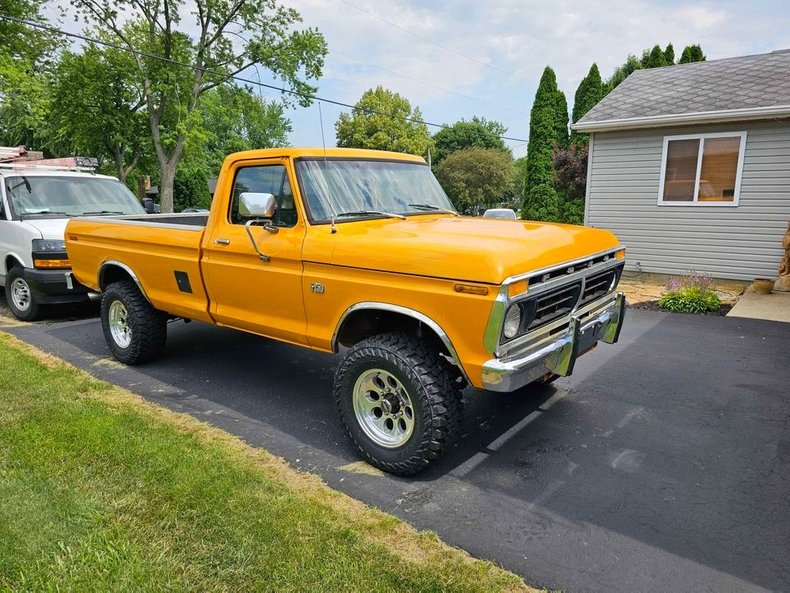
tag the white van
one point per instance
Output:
(36, 202)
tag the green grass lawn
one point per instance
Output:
(102, 491)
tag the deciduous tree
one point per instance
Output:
(383, 120)
(235, 118)
(98, 108)
(229, 37)
(27, 55)
(232, 118)
(479, 132)
(477, 177)
(570, 182)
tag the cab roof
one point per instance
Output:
(359, 153)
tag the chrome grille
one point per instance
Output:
(599, 284)
(566, 270)
(554, 304)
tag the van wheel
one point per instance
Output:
(135, 331)
(20, 297)
(397, 402)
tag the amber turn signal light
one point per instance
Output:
(620, 254)
(470, 289)
(51, 263)
(517, 288)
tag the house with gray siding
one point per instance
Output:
(690, 166)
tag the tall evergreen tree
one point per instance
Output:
(669, 54)
(691, 53)
(589, 92)
(561, 118)
(655, 59)
(631, 64)
(547, 128)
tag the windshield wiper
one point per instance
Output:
(24, 182)
(40, 212)
(370, 213)
(101, 212)
(433, 208)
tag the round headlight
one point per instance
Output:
(512, 321)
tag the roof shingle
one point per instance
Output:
(720, 85)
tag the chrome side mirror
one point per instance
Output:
(258, 208)
(257, 205)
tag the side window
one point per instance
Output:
(704, 169)
(270, 179)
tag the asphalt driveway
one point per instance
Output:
(662, 464)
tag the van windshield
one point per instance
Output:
(347, 189)
(35, 196)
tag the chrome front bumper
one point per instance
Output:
(560, 354)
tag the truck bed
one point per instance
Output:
(163, 250)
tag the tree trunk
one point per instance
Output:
(166, 180)
(120, 170)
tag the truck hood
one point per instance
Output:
(48, 228)
(459, 248)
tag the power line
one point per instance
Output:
(427, 84)
(428, 39)
(219, 74)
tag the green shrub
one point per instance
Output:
(691, 299)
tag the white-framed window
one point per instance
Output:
(702, 169)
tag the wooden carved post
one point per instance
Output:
(783, 283)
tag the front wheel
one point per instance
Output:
(20, 297)
(397, 402)
(135, 331)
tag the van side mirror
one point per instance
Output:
(148, 204)
(257, 205)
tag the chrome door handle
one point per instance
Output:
(221, 241)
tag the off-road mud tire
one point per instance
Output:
(428, 381)
(148, 326)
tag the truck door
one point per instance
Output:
(246, 292)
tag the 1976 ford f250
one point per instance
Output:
(361, 250)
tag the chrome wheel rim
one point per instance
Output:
(383, 408)
(118, 319)
(20, 294)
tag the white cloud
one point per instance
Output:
(507, 44)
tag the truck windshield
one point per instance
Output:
(37, 196)
(349, 189)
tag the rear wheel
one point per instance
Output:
(135, 331)
(397, 402)
(20, 297)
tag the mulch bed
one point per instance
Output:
(653, 306)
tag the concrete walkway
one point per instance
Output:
(771, 307)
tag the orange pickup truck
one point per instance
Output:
(361, 252)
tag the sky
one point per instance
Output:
(457, 59)
(460, 58)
